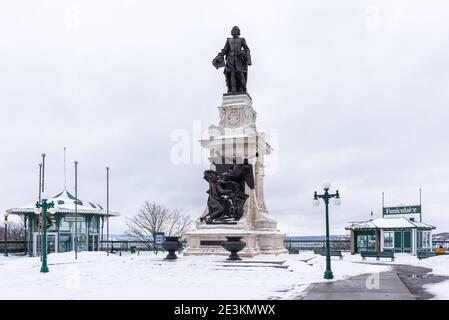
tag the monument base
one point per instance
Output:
(206, 241)
(235, 137)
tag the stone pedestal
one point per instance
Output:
(236, 137)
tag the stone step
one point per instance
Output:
(264, 261)
(255, 261)
(255, 264)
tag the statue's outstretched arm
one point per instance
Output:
(218, 61)
(223, 191)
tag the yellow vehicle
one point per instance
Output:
(439, 250)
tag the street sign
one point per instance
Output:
(402, 210)
(159, 237)
(72, 219)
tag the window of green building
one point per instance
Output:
(94, 225)
(64, 225)
(407, 243)
(81, 225)
(426, 239)
(366, 240)
(65, 242)
(388, 239)
(82, 242)
(398, 241)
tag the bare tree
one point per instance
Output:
(153, 217)
(16, 231)
(178, 224)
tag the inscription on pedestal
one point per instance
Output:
(211, 242)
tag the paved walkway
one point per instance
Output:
(378, 286)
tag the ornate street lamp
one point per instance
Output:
(6, 233)
(75, 239)
(107, 213)
(316, 202)
(43, 207)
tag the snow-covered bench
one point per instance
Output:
(377, 254)
(425, 254)
(322, 251)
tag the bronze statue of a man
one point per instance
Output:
(238, 58)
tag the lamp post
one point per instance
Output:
(316, 202)
(75, 239)
(39, 222)
(43, 207)
(107, 212)
(6, 233)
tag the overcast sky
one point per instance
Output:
(351, 91)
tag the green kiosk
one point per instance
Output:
(399, 234)
(90, 218)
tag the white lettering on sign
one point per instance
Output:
(403, 210)
(72, 219)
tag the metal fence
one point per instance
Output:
(293, 246)
(126, 245)
(14, 246)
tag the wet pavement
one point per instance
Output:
(375, 286)
(403, 282)
(415, 278)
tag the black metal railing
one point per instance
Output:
(126, 245)
(14, 246)
(133, 245)
(301, 245)
(294, 246)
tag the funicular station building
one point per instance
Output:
(392, 232)
(90, 218)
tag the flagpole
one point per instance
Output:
(43, 172)
(76, 210)
(107, 210)
(65, 172)
(39, 217)
(420, 206)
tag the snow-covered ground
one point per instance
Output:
(98, 276)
